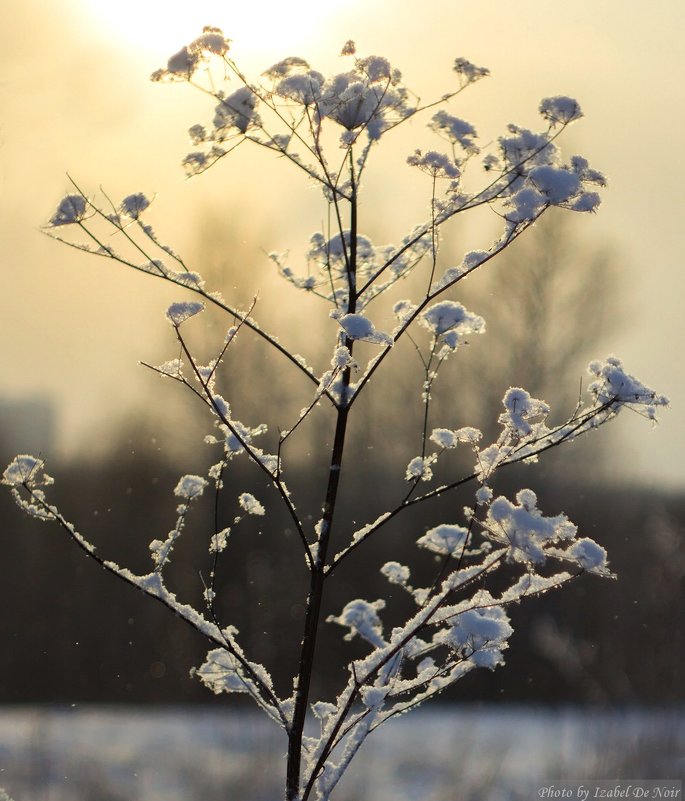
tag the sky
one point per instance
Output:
(76, 99)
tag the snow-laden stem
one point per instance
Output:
(313, 611)
(206, 396)
(312, 621)
(262, 694)
(105, 251)
(504, 243)
(562, 433)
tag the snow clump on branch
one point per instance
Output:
(71, 209)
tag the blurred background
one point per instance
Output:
(76, 99)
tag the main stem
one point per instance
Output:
(315, 597)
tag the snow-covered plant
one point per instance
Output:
(328, 127)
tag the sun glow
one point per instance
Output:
(259, 28)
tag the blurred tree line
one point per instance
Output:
(71, 633)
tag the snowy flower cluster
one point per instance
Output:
(445, 539)
(328, 266)
(361, 618)
(560, 110)
(525, 433)
(420, 468)
(251, 505)
(223, 672)
(28, 472)
(178, 313)
(357, 326)
(72, 209)
(395, 573)
(435, 164)
(445, 438)
(451, 322)
(469, 72)
(612, 385)
(369, 96)
(455, 130)
(183, 64)
(134, 205)
(480, 634)
(520, 410)
(235, 111)
(524, 528)
(190, 487)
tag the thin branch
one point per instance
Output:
(483, 197)
(185, 613)
(106, 252)
(548, 440)
(208, 397)
(504, 243)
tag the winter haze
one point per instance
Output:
(77, 99)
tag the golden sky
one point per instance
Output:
(76, 97)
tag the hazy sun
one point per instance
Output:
(161, 27)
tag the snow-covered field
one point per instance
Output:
(191, 754)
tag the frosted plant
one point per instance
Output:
(328, 127)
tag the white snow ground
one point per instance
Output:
(448, 754)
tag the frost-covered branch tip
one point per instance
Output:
(27, 479)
